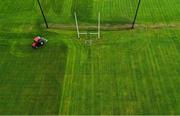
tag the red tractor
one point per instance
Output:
(39, 42)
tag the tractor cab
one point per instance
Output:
(39, 42)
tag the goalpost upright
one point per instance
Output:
(99, 25)
(98, 33)
(77, 26)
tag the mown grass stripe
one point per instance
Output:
(83, 9)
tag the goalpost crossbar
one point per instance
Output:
(98, 33)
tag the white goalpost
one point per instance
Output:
(98, 33)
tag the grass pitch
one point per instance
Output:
(124, 72)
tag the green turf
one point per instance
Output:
(114, 11)
(124, 72)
